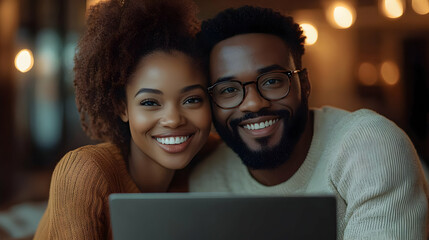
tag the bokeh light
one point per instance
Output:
(390, 72)
(393, 8)
(368, 74)
(24, 60)
(341, 15)
(420, 6)
(310, 32)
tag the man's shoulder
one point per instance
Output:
(370, 123)
(343, 120)
(365, 134)
(366, 138)
(373, 164)
(334, 113)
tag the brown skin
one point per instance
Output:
(165, 98)
(242, 57)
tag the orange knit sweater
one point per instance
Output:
(78, 201)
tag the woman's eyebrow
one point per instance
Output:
(148, 90)
(192, 87)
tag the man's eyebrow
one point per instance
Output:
(148, 90)
(224, 79)
(192, 87)
(260, 71)
(270, 68)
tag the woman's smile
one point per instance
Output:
(174, 144)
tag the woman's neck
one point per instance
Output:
(148, 175)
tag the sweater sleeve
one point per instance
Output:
(379, 176)
(76, 202)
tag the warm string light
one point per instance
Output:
(24, 60)
(310, 32)
(392, 8)
(389, 71)
(341, 15)
(420, 6)
(367, 74)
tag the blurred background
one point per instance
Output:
(359, 54)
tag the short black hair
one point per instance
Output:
(250, 19)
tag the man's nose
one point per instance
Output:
(253, 101)
(172, 117)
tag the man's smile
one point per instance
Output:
(260, 125)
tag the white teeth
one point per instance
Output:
(172, 140)
(261, 125)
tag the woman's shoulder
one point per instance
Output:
(90, 160)
(98, 153)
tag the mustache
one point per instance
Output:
(281, 113)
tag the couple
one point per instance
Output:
(148, 83)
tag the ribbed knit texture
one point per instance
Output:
(362, 158)
(78, 199)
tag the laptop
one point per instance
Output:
(221, 216)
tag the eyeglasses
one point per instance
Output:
(271, 86)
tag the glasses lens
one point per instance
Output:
(274, 85)
(228, 94)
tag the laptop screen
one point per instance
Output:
(208, 216)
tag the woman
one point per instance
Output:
(140, 89)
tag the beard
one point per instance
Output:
(267, 157)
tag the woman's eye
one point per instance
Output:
(149, 103)
(191, 100)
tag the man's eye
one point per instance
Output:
(191, 100)
(228, 90)
(149, 103)
(272, 81)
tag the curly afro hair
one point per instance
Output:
(119, 33)
(250, 19)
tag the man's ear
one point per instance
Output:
(123, 112)
(305, 83)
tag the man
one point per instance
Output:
(260, 93)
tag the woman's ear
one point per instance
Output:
(124, 112)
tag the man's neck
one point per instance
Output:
(271, 177)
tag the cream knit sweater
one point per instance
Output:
(362, 158)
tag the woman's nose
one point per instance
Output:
(172, 118)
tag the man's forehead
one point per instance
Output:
(246, 53)
(237, 39)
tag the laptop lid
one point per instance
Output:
(207, 216)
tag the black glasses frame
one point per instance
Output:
(243, 86)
